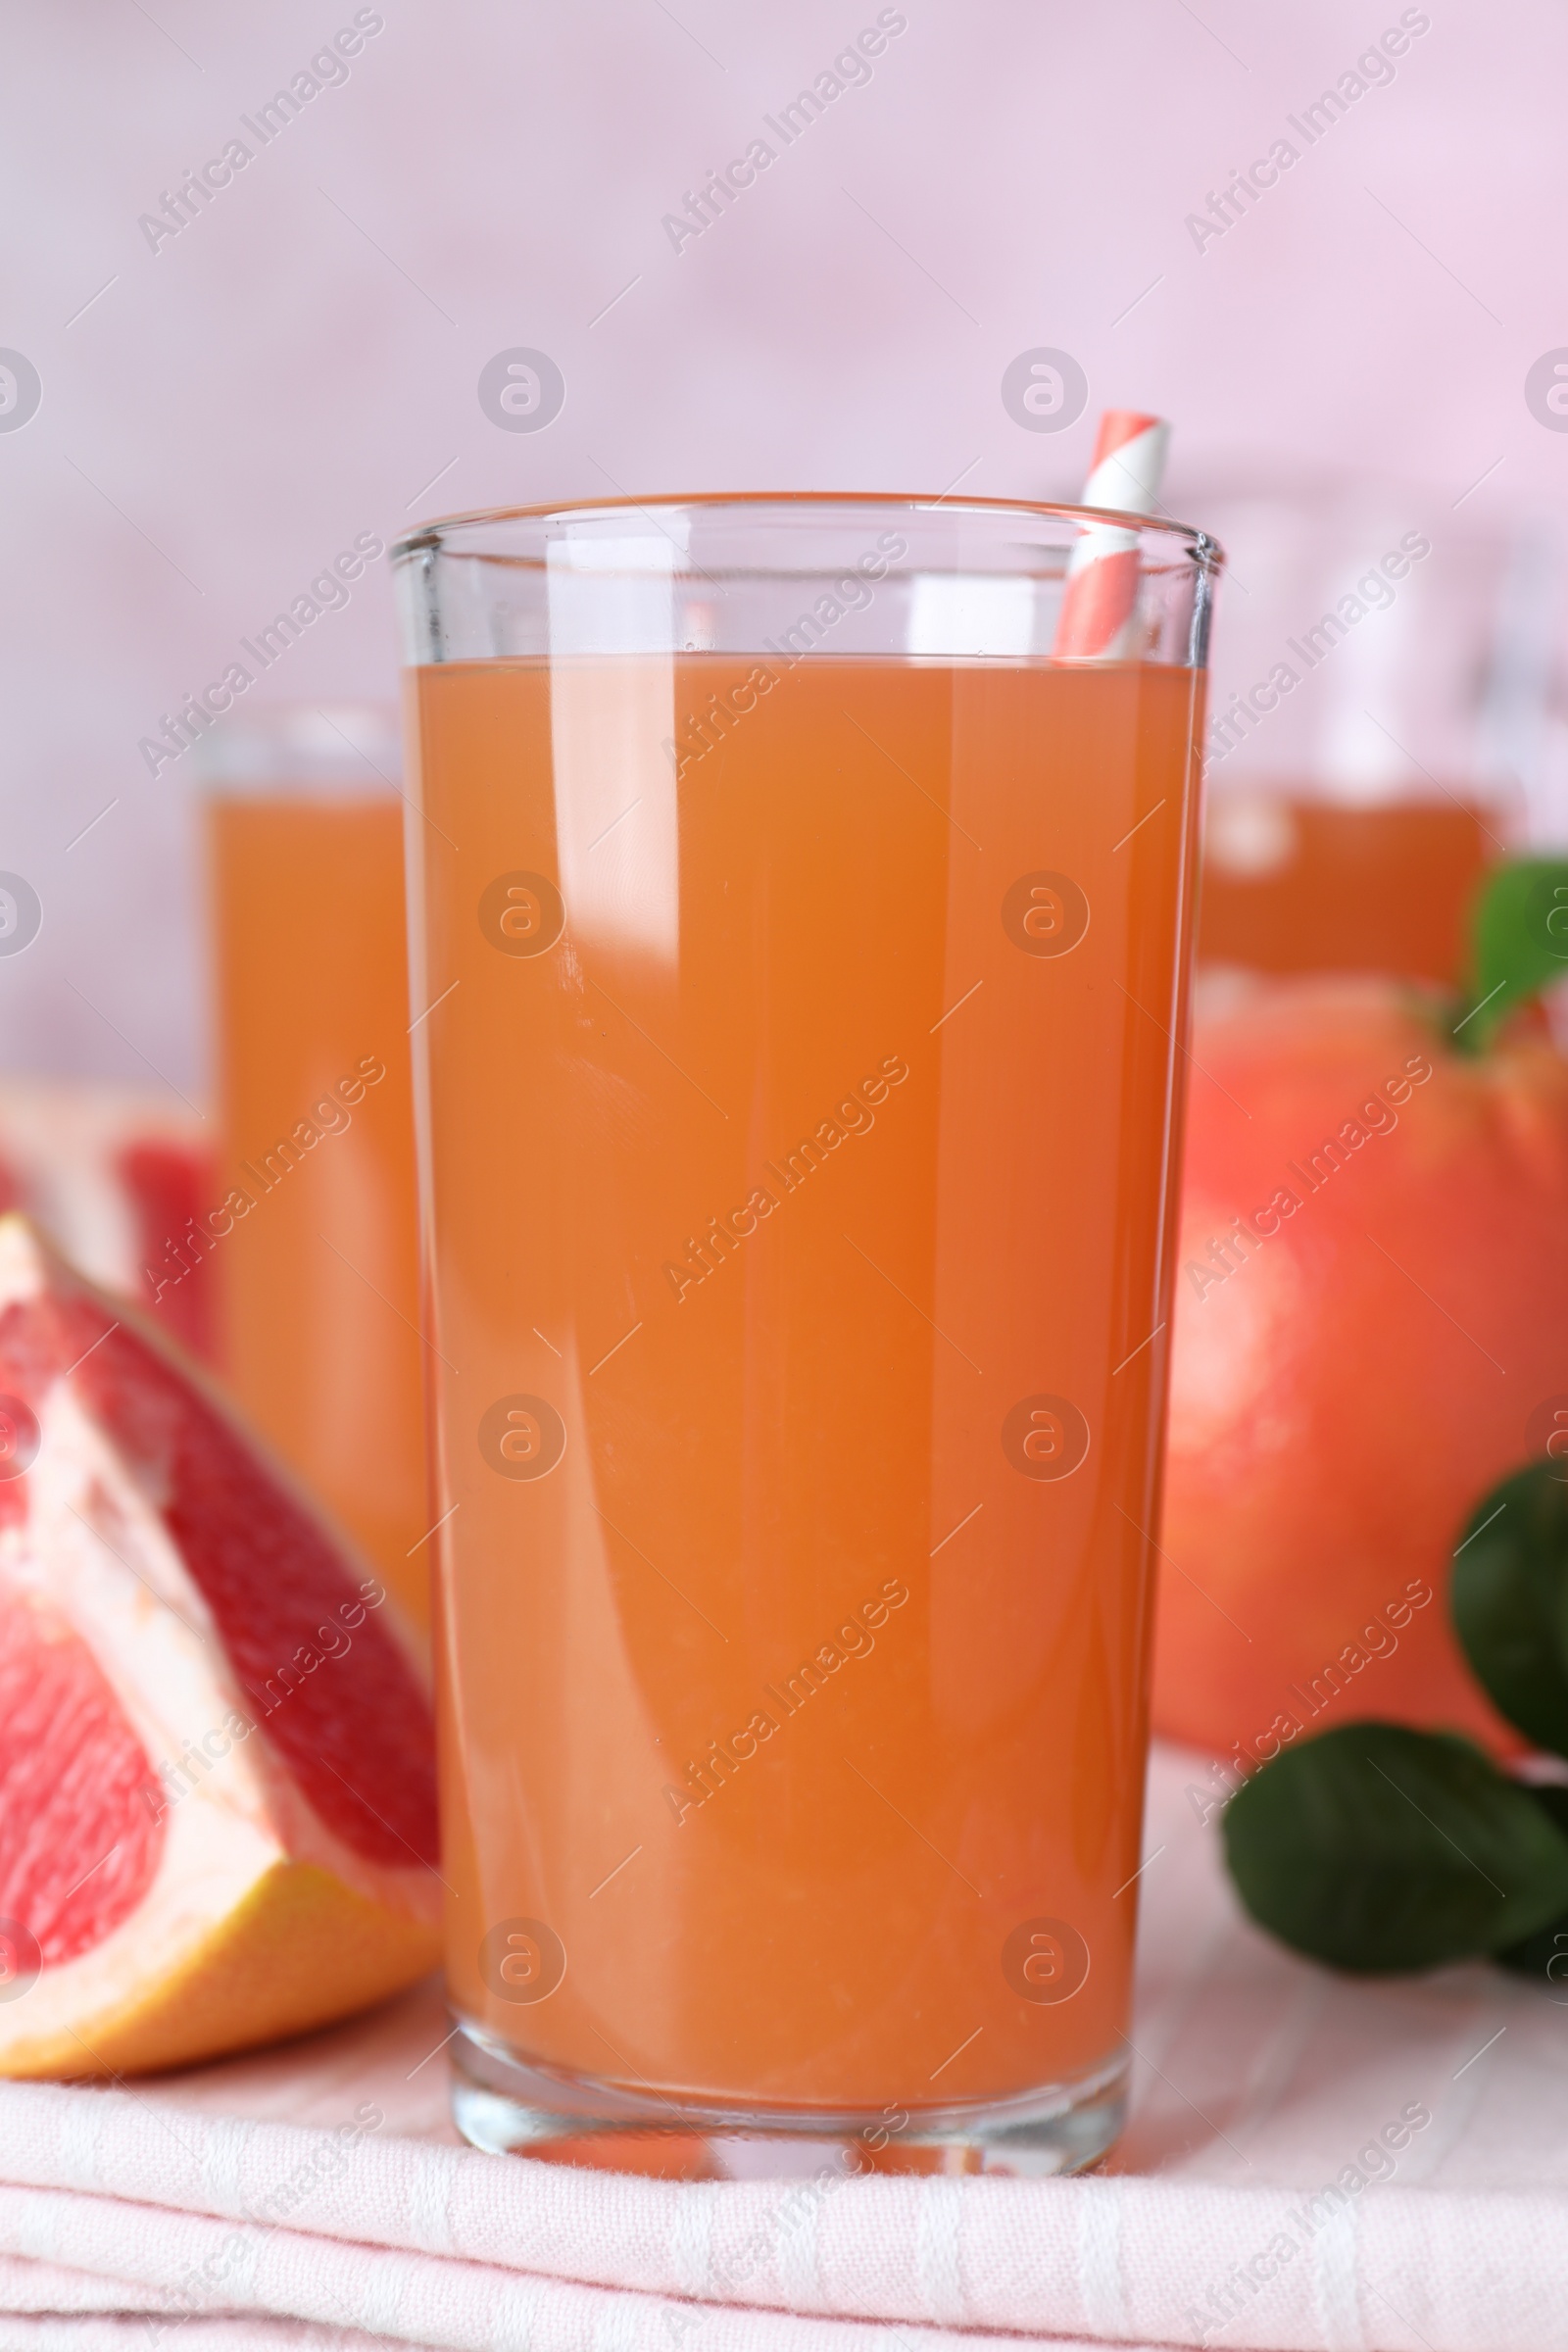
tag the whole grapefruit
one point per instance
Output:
(1371, 1329)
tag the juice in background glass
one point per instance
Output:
(1298, 882)
(798, 1119)
(318, 1279)
(1377, 731)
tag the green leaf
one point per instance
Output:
(1518, 944)
(1379, 1849)
(1544, 1955)
(1509, 1600)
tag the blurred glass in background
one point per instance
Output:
(314, 1259)
(1385, 722)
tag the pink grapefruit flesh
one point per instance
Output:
(78, 1842)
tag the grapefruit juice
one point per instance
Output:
(801, 1091)
(318, 1273)
(1298, 883)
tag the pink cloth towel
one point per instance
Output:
(315, 2196)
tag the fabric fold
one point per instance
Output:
(1310, 2165)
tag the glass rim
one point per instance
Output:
(1202, 549)
(302, 749)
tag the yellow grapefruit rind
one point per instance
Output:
(300, 1950)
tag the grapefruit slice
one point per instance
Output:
(118, 1177)
(218, 1816)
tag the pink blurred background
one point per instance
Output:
(298, 364)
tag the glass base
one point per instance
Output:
(509, 2108)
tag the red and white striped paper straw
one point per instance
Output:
(1097, 620)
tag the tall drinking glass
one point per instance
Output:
(800, 958)
(317, 1270)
